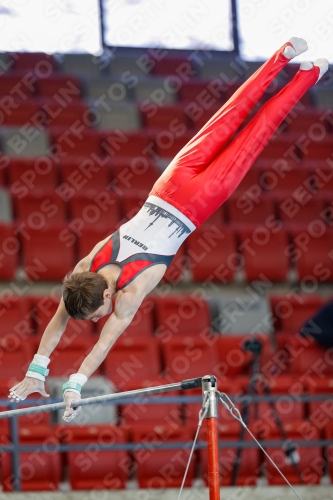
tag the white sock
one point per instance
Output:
(306, 65)
(299, 46)
(322, 65)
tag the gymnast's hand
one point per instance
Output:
(70, 413)
(28, 385)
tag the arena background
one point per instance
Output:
(96, 98)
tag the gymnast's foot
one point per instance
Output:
(299, 46)
(321, 63)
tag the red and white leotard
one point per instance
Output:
(151, 237)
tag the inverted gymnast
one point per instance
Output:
(132, 261)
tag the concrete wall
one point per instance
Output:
(246, 493)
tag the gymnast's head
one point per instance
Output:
(87, 295)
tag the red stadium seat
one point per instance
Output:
(307, 356)
(181, 315)
(160, 469)
(43, 309)
(263, 251)
(249, 466)
(287, 177)
(15, 316)
(329, 435)
(16, 355)
(323, 178)
(175, 271)
(26, 175)
(85, 173)
(310, 464)
(21, 113)
(17, 83)
(68, 87)
(67, 358)
(212, 254)
(37, 61)
(40, 471)
(198, 116)
(68, 115)
(133, 201)
(168, 117)
(195, 90)
(41, 253)
(74, 141)
(290, 313)
(312, 252)
(277, 147)
(91, 208)
(188, 357)
(138, 176)
(309, 120)
(249, 182)
(243, 209)
(132, 359)
(292, 212)
(167, 144)
(40, 207)
(9, 249)
(106, 470)
(126, 144)
(320, 412)
(172, 65)
(144, 413)
(319, 150)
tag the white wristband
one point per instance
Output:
(38, 367)
(41, 360)
(79, 378)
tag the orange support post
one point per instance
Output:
(209, 385)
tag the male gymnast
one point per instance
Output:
(131, 262)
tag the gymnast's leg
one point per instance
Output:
(208, 142)
(205, 192)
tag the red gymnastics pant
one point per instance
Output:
(205, 172)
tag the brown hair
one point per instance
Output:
(83, 293)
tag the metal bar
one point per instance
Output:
(14, 433)
(185, 384)
(172, 445)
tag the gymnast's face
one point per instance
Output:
(104, 309)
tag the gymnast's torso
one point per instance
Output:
(151, 238)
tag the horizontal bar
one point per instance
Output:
(162, 446)
(100, 399)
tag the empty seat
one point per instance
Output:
(67, 87)
(313, 251)
(15, 316)
(291, 211)
(323, 178)
(161, 469)
(36, 61)
(41, 253)
(264, 253)
(91, 208)
(83, 64)
(212, 254)
(16, 355)
(165, 118)
(249, 461)
(288, 177)
(89, 235)
(152, 90)
(17, 83)
(39, 471)
(188, 357)
(9, 247)
(106, 470)
(195, 90)
(172, 65)
(243, 209)
(198, 116)
(67, 358)
(279, 146)
(168, 145)
(80, 173)
(309, 121)
(249, 182)
(329, 435)
(290, 313)
(138, 175)
(126, 144)
(66, 141)
(241, 313)
(319, 150)
(310, 463)
(40, 207)
(120, 116)
(307, 356)
(22, 113)
(15, 144)
(320, 411)
(70, 114)
(181, 315)
(133, 202)
(132, 359)
(26, 175)
(176, 270)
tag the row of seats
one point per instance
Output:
(214, 254)
(176, 357)
(275, 177)
(80, 140)
(179, 314)
(93, 468)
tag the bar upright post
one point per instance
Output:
(209, 385)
